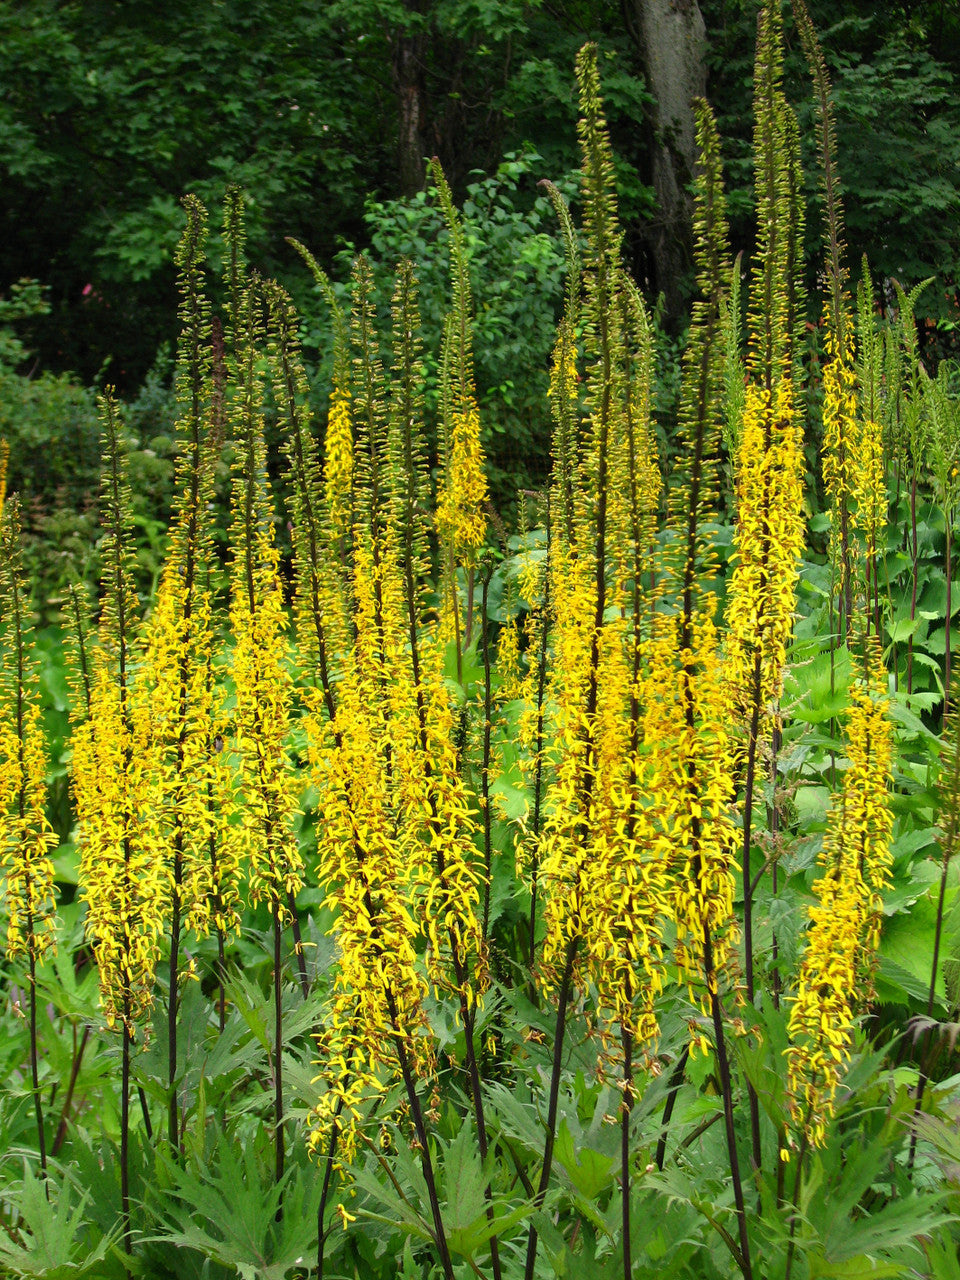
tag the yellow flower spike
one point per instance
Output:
(124, 875)
(461, 519)
(509, 666)
(869, 495)
(695, 482)
(837, 966)
(396, 850)
(596, 856)
(338, 476)
(123, 872)
(260, 670)
(4, 461)
(441, 824)
(192, 816)
(25, 850)
(461, 502)
(378, 992)
(686, 726)
(9, 765)
(189, 729)
(26, 837)
(338, 469)
(601, 866)
(563, 391)
(769, 541)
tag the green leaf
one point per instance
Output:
(901, 629)
(818, 686)
(56, 1230)
(463, 1181)
(906, 949)
(227, 1209)
(401, 1212)
(855, 1269)
(588, 1170)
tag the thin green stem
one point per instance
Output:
(278, 1046)
(946, 661)
(173, 1104)
(626, 1112)
(426, 1162)
(801, 1156)
(566, 986)
(78, 1052)
(485, 767)
(325, 1189)
(723, 1067)
(34, 1059)
(538, 774)
(951, 805)
(298, 945)
(125, 1134)
(673, 1088)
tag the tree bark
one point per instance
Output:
(407, 71)
(670, 36)
(407, 79)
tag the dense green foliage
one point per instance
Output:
(110, 112)
(493, 786)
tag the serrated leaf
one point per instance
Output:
(55, 1228)
(906, 948)
(589, 1171)
(901, 629)
(227, 1210)
(400, 1212)
(463, 1180)
(856, 1269)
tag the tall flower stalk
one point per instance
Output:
(26, 837)
(596, 859)
(836, 970)
(839, 375)
(683, 693)
(193, 817)
(769, 471)
(376, 1027)
(949, 789)
(4, 464)
(462, 496)
(870, 472)
(124, 875)
(397, 851)
(261, 673)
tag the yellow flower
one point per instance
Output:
(440, 824)
(769, 540)
(839, 421)
(338, 460)
(26, 837)
(359, 764)
(4, 460)
(836, 970)
(124, 876)
(189, 728)
(258, 620)
(25, 848)
(460, 503)
(600, 852)
(687, 730)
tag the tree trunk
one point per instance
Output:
(408, 81)
(671, 38)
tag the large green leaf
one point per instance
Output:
(58, 1242)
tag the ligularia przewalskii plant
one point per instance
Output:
(458, 878)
